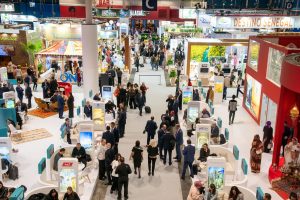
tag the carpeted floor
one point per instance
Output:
(42, 114)
(36, 134)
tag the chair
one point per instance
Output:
(14, 133)
(41, 104)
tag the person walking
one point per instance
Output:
(189, 155)
(119, 74)
(60, 105)
(268, 137)
(116, 135)
(140, 102)
(123, 170)
(152, 155)
(232, 108)
(70, 103)
(115, 176)
(150, 128)
(179, 142)
(168, 141)
(122, 118)
(20, 92)
(137, 156)
(109, 157)
(226, 86)
(28, 94)
(137, 62)
(210, 95)
(161, 132)
(101, 149)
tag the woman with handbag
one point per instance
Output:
(255, 154)
(268, 137)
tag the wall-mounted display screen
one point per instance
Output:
(252, 100)
(86, 139)
(216, 175)
(275, 59)
(10, 103)
(202, 137)
(108, 35)
(67, 178)
(253, 54)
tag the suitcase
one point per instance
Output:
(147, 109)
(13, 172)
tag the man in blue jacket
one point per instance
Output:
(189, 155)
(20, 92)
(60, 105)
(150, 128)
(179, 142)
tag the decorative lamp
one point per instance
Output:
(294, 112)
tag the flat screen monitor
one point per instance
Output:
(204, 70)
(226, 70)
(10, 103)
(4, 152)
(86, 139)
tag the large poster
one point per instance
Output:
(68, 174)
(99, 115)
(187, 94)
(252, 100)
(202, 134)
(275, 59)
(216, 176)
(253, 54)
(218, 89)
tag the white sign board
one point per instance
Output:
(3, 74)
(107, 92)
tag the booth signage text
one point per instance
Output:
(137, 13)
(67, 164)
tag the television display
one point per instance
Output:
(7, 50)
(86, 139)
(4, 152)
(202, 138)
(204, 70)
(107, 92)
(193, 113)
(216, 175)
(226, 70)
(10, 103)
(67, 178)
(252, 100)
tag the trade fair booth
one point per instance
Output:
(272, 95)
(205, 57)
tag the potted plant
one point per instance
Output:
(170, 62)
(172, 76)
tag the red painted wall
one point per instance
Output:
(79, 11)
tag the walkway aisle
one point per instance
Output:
(166, 182)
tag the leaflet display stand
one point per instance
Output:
(107, 93)
(216, 171)
(193, 111)
(99, 115)
(68, 174)
(202, 135)
(218, 89)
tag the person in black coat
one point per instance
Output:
(122, 96)
(267, 137)
(179, 98)
(71, 195)
(123, 170)
(53, 86)
(20, 92)
(70, 103)
(108, 136)
(28, 94)
(122, 117)
(52, 195)
(109, 108)
(60, 105)
(170, 101)
(161, 132)
(116, 135)
(79, 153)
(152, 154)
(168, 141)
(140, 101)
(88, 110)
(150, 128)
(109, 157)
(204, 153)
(45, 87)
(287, 134)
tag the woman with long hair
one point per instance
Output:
(235, 194)
(255, 154)
(152, 154)
(137, 156)
(71, 195)
(212, 192)
(52, 195)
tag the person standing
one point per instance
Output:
(60, 105)
(45, 87)
(161, 132)
(108, 136)
(20, 92)
(168, 141)
(79, 153)
(119, 74)
(150, 128)
(232, 108)
(122, 117)
(268, 137)
(226, 85)
(209, 95)
(87, 110)
(78, 76)
(115, 176)
(255, 154)
(109, 157)
(116, 135)
(28, 94)
(179, 98)
(179, 142)
(189, 155)
(137, 156)
(143, 89)
(152, 155)
(140, 101)
(101, 149)
(137, 62)
(287, 134)
(70, 103)
(123, 170)
(131, 94)
(34, 81)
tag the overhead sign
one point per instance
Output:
(137, 13)
(187, 13)
(255, 22)
(149, 5)
(7, 7)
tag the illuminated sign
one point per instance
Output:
(137, 13)
(68, 77)
(7, 7)
(67, 164)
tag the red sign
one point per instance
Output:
(67, 164)
(103, 3)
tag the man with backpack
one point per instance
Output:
(232, 108)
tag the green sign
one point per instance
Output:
(108, 13)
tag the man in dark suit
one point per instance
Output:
(189, 156)
(108, 136)
(28, 94)
(109, 157)
(123, 170)
(79, 153)
(150, 128)
(122, 121)
(161, 132)
(88, 110)
(60, 105)
(168, 141)
(20, 92)
(116, 135)
(179, 142)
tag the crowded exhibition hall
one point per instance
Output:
(149, 100)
